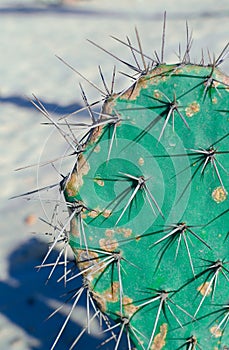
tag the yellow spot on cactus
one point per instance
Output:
(214, 100)
(159, 74)
(93, 214)
(71, 189)
(112, 294)
(99, 182)
(129, 307)
(226, 82)
(76, 179)
(204, 289)
(97, 149)
(74, 228)
(132, 94)
(141, 161)
(126, 231)
(216, 331)
(219, 194)
(96, 134)
(88, 259)
(100, 301)
(157, 94)
(109, 233)
(192, 109)
(108, 244)
(159, 340)
(177, 71)
(106, 213)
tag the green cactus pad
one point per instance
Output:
(149, 206)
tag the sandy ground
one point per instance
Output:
(32, 33)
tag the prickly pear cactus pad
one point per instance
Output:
(149, 193)
(148, 205)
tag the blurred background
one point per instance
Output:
(32, 33)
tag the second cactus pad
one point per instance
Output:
(149, 205)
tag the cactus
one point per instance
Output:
(148, 206)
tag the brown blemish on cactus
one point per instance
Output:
(153, 78)
(97, 149)
(106, 213)
(99, 182)
(192, 109)
(93, 213)
(74, 228)
(126, 231)
(108, 244)
(87, 259)
(226, 82)
(159, 74)
(109, 105)
(177, 71)
(159, 340)
(84, 213)
(141, 161)
(204, 289)
(214, 100)
(157, 94)
(71, 188)
(134, 91)
(219, 194)
(100, 301)
(216, 331)
(76, 179)
(111, 295)
(129, 307)
(97, 132)
(224, 78)
(109, 233)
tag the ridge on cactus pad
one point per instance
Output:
(148, 205)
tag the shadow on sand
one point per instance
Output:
(52, 107)
(27, 302)
(65, 10)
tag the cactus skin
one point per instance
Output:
(151, 234)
